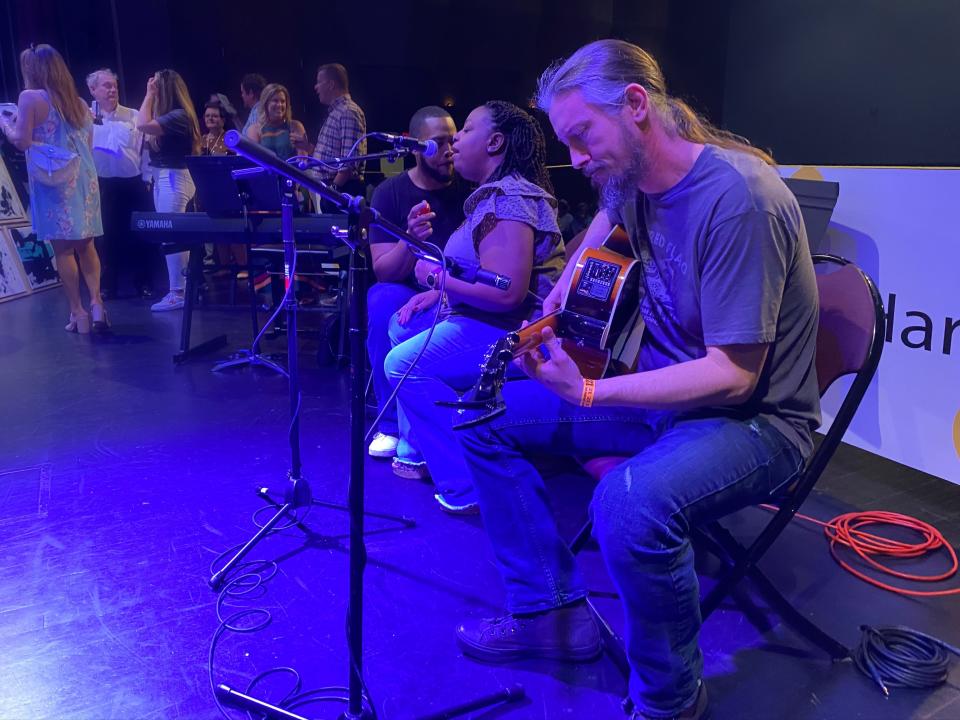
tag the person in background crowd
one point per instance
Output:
(229, 112)
(581, 218)
(396, 306)
(118, 155)
(565, 220)
(344, 126)
(65, 205)
(250, 88)
(511, 229)
(167, 116)
(217, 122)
(276, 126)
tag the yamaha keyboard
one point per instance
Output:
(191, 231)
(199, 228)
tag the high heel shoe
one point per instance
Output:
(98, 316)
(78, 324)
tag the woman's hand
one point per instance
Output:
(298, 139)
(418, 220)
(417, 304)
(152, 86)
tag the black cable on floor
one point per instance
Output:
(248, 581)
(897, 656)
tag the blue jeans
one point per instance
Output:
(384, 299)
(450, 365)
(683, 470)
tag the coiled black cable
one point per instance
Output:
(897, 656)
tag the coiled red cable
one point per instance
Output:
(846, 531)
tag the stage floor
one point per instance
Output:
(124, 477)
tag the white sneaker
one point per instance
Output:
(383, 446)
(170, 301)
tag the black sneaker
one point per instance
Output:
(568, 633)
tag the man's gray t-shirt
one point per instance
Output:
(726, 262)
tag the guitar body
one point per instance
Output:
(600, 303)
(592, 316)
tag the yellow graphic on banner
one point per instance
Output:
(956, 433)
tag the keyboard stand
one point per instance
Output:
(194, 272)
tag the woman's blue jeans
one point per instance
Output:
(449, 366)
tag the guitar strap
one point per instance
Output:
(626, 349)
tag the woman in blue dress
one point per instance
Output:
(65, 205)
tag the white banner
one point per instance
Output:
(898, 226)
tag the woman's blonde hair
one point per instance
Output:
(270, 92)
(172, 94)
(43, 68)
(602, 70)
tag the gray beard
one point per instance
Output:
(621, 189)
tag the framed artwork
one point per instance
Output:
(36, 257)
(12, 281)
(11, 211)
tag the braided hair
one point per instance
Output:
(524, 149)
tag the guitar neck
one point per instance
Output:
(530, 337)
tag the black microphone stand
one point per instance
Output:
(298, 494)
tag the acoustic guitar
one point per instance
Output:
(599, 305)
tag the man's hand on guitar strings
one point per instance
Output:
(554, 300)
(550, 365)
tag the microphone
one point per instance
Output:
(427, 147)
(471, 272)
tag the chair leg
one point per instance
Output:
(795, 619)
(582, 537)
(612, 643)
(721, 543)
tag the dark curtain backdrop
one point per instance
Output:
(860, 82)
(400, 55)
(857, 82)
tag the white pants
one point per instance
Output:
(172, 190)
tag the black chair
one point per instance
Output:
(849, 342)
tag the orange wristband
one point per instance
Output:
(586, 395)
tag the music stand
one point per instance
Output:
(221, 194)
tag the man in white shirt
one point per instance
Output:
(118, 156)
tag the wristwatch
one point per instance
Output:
(432, 280)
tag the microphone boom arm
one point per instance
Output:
(369, 217)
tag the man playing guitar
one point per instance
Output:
(719, 413)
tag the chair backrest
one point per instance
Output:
(849, 341)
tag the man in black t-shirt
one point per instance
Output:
(395, 304)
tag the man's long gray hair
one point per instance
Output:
(602, 70)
